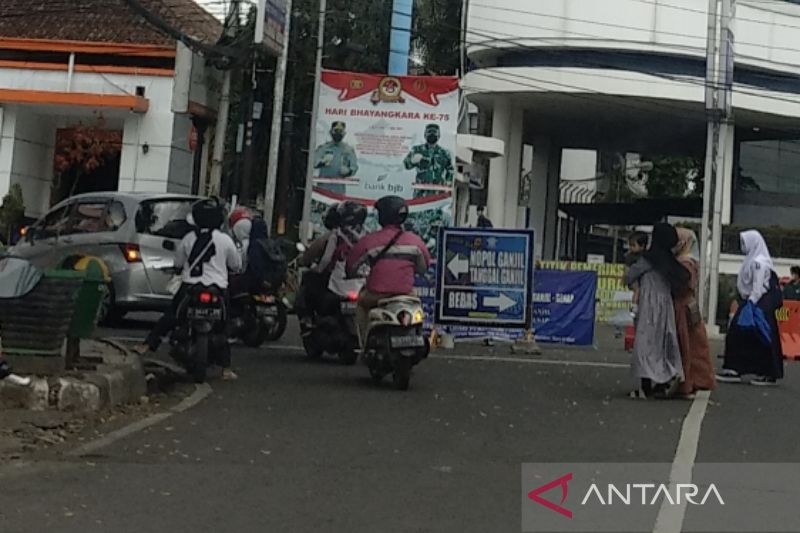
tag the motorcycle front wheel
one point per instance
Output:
(255, 335)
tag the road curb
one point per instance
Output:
(118, 380)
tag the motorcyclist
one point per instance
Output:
(318, 259)
(206, 256)
(241, 222)
(394, 256)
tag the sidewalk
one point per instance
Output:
(112, 376)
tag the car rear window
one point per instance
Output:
(164, 218)
(95, 217)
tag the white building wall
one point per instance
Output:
(32, 165)
(181, 160)
(7, 122)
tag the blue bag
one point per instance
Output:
(752, 318)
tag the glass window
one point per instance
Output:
(95, 217)
(53, 223)
(770, 167)
(164, 218)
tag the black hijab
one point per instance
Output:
(660, 256)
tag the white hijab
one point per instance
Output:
(753, 280)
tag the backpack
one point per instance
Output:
(271, 265)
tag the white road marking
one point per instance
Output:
(670, 517)
(200, 393)
(529, 360)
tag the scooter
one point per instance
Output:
(200, 331)
(395, 340)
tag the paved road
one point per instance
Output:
(298, 446)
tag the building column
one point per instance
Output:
(729, 173)
(7, 124)
(513, 150)
(545, 180)
(498, 167)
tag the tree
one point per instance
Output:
(12, 212)
(79, 151)
(674, 177)
(437, 35)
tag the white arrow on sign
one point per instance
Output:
(502, 302)
(458, 265)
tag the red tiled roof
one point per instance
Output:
(111, 21)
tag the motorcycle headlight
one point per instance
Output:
(419, 317)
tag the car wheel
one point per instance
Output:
(107, 314)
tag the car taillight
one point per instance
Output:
(131, 253)
(352, 296)
(205, 297)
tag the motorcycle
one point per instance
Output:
(333, 329)
(200, 331)
(395, 340)
(254, 317)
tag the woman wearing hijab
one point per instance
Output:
(698, 370)
(747, 352)
(656, 353)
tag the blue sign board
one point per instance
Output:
(484, 277)
(563, 306)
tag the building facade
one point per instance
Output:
(627, 76)
(69, 69)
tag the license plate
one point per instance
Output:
(348, 308)
(407, 341)
(205, 313)
(267, 311)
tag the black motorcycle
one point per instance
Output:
(255, 316)
(333, 329)
(200, 331)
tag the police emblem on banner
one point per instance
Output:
(389, 90)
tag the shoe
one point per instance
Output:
(763, 381)
(229, 375)
(729, 376)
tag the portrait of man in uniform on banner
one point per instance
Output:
(433, 164)
(335, 161)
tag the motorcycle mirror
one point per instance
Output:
(300, 247)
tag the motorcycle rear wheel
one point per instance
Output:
(199, 363)
(401, 378)
(255, 335)
(279, 328)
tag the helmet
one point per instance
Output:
(331, 217)
(238, 214)
(351, 213)
(392, 210)
(208, 214)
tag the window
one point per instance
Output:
(52, 224)
(164, 218)
(769, 167)
(95, 217)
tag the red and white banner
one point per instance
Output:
(379, 135)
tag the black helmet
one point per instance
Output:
(392, 210)
(208, 214)
(352, 213)
(331, 219)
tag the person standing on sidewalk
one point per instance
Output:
(698, 370)
(746, 349)
(791, 291)
(656, 359)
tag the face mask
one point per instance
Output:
(337, 137)
(432, 138)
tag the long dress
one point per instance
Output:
(698, 370)
(745, 352)
(656, 352)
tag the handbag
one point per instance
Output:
(752, 319)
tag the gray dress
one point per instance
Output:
(656, 352)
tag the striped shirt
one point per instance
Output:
(394, 272)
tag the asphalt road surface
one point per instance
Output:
(301, 446)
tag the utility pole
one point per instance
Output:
(277, 119)
(720, 61)
(306, 227)
(221, 129)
